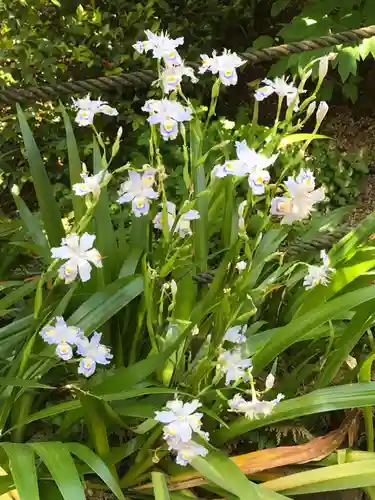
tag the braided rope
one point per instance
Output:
(143, 78)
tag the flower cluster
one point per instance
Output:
(168, 114)
(224, 65)
(139, 191)
(182, 227)
(164, 48)
(301, 196)
(232, 363)
(318, 275)
(254, 408)
(67, 337)
(88, 108)
(249, 163)
(182, 421)
(78, 253)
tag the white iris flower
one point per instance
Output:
(171, 77)
(138, 190)
(249, 162)
(186, 451)
(181, 419)
(162, 46)
(88, 108)
(236, 334)
(183, 227)
(79, 253)
(301, 196)
(63, 336)
(91, 183)
(255, 408)
(234, 366)
(280, 87)
(168, 114)
(318, 275)
(93, 353)
(225, 65)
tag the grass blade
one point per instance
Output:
(74, 164)
(59, 462)
(160, 486)
(22, 465)
(48, 207)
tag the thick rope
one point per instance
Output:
(143, 78)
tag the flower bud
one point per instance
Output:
(310, 109)
(173, 289)
(321, 112)
(15, 190)
(119, 133)
(270, 380)
(323, 67)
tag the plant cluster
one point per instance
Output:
(199, 303)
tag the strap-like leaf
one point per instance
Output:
(22, 466)
(60, 463)
(97, 465)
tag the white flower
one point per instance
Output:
(93, 353)
(248, 162)
(235, 334)
(186, 451)
(241, 265)
(281, 87)
(253, 409)
(78, 252)
(183, 227)
(181, 420)
(173, 289)
(225, 65)
(233, 365)
(318, 275)
(257, 180)
(232, 167)
(138, 190)
(168, 114)
(139, 46)
(300, 200)
(162, 46)
(63, 336)
(91, 183)
(88, 108)
(321, 112)
(171, 77)
(310, 109)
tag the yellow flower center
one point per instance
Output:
(228, 72)
(51, 332)
(259, 180)
(172, 53)
(68, 270)
(168, 125)
(64, 348)
(88, 363)
(229, 166)
(140, 203)
(172, 79)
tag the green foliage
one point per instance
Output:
(165, 294)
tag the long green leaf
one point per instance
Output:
(333, 478)
(296, 329)
(22, 466)
(74, 164)
(106, 238)
(160, 486)
(101, 306)
(43, 188)
(33, 227)
(319, 401)
(59, 462)
(97, 465)
(352, 334)
(223, 472)
(17, 295)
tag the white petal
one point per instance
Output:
(84, 269)
(86, 241)
(63, 252)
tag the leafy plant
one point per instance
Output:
(192, 288)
